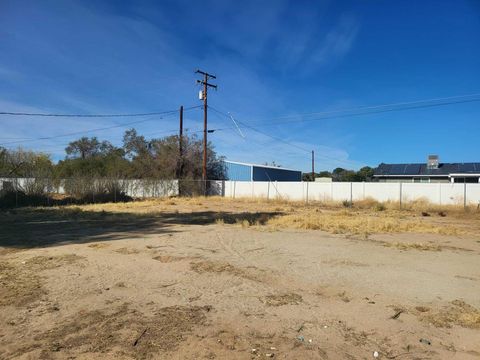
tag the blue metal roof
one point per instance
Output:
(247, 172)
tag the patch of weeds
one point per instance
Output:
(127, 251)
(223, 267)
(458, 312)
(22, 284)
(282, 299)
(123, 331)
(413, 246)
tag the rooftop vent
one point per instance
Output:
(432, 162)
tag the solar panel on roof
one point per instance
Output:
(466, 167)
(397, 169)
(412, 169)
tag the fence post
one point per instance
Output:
(440, 193)
(268, 190)
(234, 187)
(306, 200)
(351, 192)
(464, 194)
(400, 198)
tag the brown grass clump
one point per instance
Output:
(21, 282)
(19, 288)
(457, 312)
(98, 245)
(127, 251)
(208, 266)
(350, 222)
(172, 258)
(413, 246)
(39, 263)
(283, 299)
(122, 332)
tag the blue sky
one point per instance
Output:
(272, 59)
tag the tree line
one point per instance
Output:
(345, 175)
(137, 158)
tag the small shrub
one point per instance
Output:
(347, 203)
(380, 207)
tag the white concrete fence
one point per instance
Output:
(130, 187)
(437, 193)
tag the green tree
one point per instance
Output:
(25, 163)
(366, 173)
(88, 147)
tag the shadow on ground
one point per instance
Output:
(29, 227)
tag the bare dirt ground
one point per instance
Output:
(224, 279)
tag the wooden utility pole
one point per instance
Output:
(180, 145)
(206, 85)
(313, 165)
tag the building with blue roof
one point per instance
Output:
(238, 171)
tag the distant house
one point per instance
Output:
(430, 172)
(253, 172)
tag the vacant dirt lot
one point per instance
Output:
(237, 279)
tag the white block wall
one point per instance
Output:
(436, 193)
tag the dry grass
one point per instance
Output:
(218, 267)
(363, 217)
(21, 282)
(122, 332)
(283, 299)
(456, 313)
(19, 288)
(354, 222)
(172, 258)
(127, 251)
(98, 245)
(414, 246)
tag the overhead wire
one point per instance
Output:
(84, 115)
(346, 162)
(374, 109)
(299, 118)
(93, 130)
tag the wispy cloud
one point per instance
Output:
(337, 42)
(143, 58)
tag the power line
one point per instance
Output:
(92, 130)
(373, 110)
(84, 115)
(349, 163)
(399, 106)
(365, 110)
(259, 131)
(62, 146)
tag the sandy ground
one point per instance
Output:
(136, 288)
